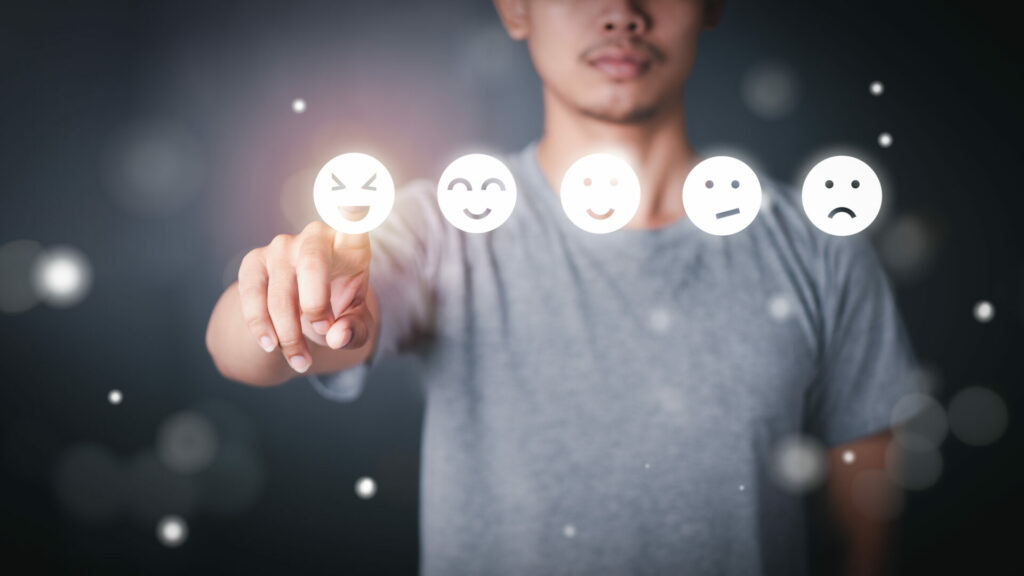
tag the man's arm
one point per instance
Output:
(866, 538)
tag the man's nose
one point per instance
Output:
(624, 16)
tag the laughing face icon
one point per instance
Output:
(353, 193)
(842, 195)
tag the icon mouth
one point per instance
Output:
(727, 213)
(597, 216)
(842, 209)
(354, 213)
(476, 216)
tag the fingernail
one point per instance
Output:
(299, 363)
(267, 343)
(321, 326)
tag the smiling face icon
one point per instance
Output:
(600, 193)
(842, 195)
(476, 193)
(722, 195)
(353, 193)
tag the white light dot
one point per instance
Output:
(885, 139)
(742, 487)
(877, 88)
(569, 531)
(660, 320)
(984, 311)
(849, 456)
(977, 416)
(298, 105)
(114, 397)
(366, 488)
(780, 307)
(647, 466)
(172, 531)
(62, 276)
(799, 463)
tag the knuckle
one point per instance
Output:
(291, 341)
(314, 228)
(280, 242)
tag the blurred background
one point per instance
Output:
(146, 146)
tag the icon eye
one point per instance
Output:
(614, 181)
(735, 183)
(489, 181)
(828, 183)
(463, 181)
(587, 181)
(709, 184)
(855, 183)
(338, 184)
(369, 183)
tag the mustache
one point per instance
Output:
(630, 42)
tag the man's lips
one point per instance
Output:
(620, 64)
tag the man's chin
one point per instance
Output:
(636, 114)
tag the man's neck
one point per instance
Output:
(656, 148)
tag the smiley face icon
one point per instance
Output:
(722, 195)
(600, 193)
(842, 195)
(353, 193)
(476, 193)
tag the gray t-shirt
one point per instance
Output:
(612, 404)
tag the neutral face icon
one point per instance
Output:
(476, 193)
(353, 193)
(722, 195)
(600, 193)
(842, 195)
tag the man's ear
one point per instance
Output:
(713, 13)
(514, 17)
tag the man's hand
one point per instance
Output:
(311, 285)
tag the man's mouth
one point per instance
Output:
(354, 213)
(476, 216)
(597, 216)
(620, 62)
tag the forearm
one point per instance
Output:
(858, 512)
(239, 357)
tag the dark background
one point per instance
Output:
(159, 139)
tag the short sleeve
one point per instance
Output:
(866, 362)
(405, 255)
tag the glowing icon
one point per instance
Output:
(600, 193)
(842, 195)
(353, 193)
(476, 193)
(722, 195)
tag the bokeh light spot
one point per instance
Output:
(366, 488)
(172, 531)
(62, 276)
(984, 311)
(977, 416)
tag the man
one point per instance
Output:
(598, 404)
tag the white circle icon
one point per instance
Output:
(842, 195)
(353, 193)
(600, 193)
(476, 193)
(722, 195)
